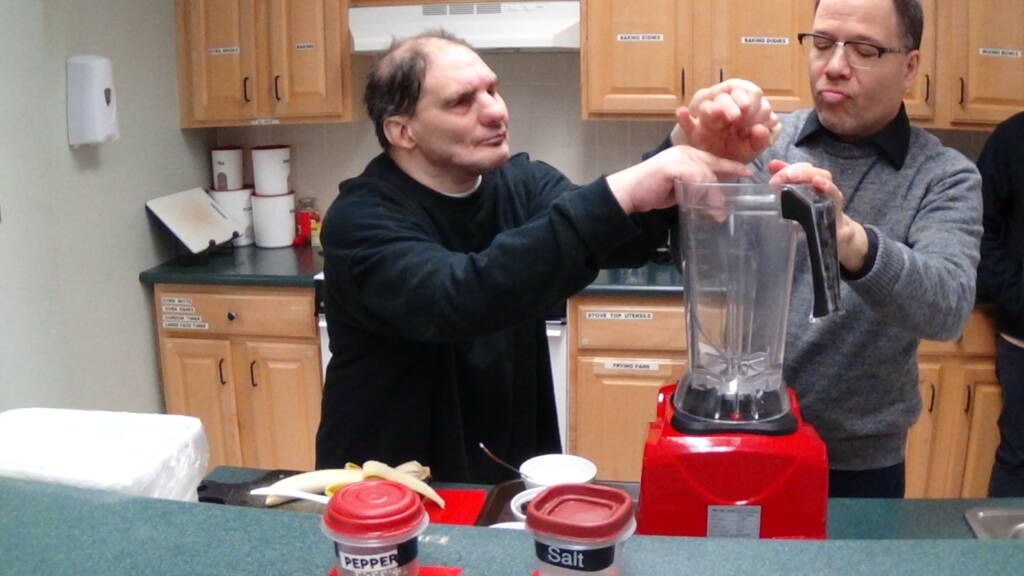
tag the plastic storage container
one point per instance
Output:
(374, 525)
(579, 529)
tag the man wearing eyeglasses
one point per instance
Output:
(909, 225)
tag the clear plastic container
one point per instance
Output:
(374, 526)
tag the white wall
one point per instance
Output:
(76, 327)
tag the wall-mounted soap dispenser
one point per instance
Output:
(92, 107)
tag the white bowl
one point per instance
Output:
(552, 469)
(519, 501)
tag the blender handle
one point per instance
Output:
(816, 215)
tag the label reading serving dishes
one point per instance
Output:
(305, 46)
(632, 366)
(999, 52)
(221, 51)
(620, 315)
(734, 521)
(640, 37)
(765, 40)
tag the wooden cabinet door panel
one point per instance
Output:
(222, 51)
(919, 439)
(306, 56)
(756, 40)
(920, 96)
(636, 55)
(986, 404)
(625, 324)
(198, 382)
(279, 401)
(988, 49)
(616, 400)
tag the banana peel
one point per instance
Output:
(329, 481)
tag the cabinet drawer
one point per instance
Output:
(247, 311)
(631, 326)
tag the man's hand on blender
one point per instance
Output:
(732, 119)
(850, 235)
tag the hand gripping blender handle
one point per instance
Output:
(816, 214)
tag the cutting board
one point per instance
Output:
(194, 219)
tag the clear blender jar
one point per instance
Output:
(737, 247)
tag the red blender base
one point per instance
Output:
(732, 484)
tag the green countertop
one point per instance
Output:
(246, 266)
(51, 529)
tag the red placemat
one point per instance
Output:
(460, 506)
(424, 571)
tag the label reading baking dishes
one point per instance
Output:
(734, 521)
(223, 50)
(999, 52)
(765, 40)
(620, 316)
(640, 37)
(305, 46)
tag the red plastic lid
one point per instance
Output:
(374, 509)
(271, 147)
(586, 512)
(226, 148)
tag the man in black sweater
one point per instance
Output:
(443, 255)
(1000, 280)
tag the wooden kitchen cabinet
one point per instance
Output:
(646, 58)
(622, 350)
(262, 62)
(246, 362)
(987, 63)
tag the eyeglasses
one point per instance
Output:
(860, 55)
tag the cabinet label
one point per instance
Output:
(264, 121)
(620, 316)
(632, 366)
(765, 40)
(640, 37)
(179, 309)
(184, 325)
(178, 301)
(734, 521)
(999, 52)
(221, 51)
(305, 46)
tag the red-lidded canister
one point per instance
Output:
(374, 525)
(580, 528)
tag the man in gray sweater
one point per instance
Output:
(909, 227)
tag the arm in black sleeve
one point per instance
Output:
(999, 272)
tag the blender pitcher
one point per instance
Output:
(738, 243)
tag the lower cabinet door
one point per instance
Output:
(279, 403)
(198, 381)
(615, 401)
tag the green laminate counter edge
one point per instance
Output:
(292, 266)
(58, 529)
(662, 279)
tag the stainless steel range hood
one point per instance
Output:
(552, 25)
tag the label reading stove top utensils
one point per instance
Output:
(734, 521)
(387, 562)
(640, 37)
(620, 316)
(999, 52)
(765, 40)
(581, 560)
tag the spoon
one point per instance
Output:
(290, 493)
(492, 456)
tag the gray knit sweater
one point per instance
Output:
(855, 374)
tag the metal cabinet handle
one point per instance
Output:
(721, 75)
(277, 87)
(245, 89)
(927, 87)
(931, 401)
(970, 392)
(252, 374)
(220, 370)
(232, 316)
(682, 80)
(962, 88)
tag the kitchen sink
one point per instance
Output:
(996, 523)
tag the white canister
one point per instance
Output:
(273, 219)
(270, 168)
(237, 204)
(227, 167)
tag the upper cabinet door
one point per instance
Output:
(756, 40)
(636, 55)
(988, 48)
(221, 41)
(306, 56)
(920, 96)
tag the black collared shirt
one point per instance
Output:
(892, 141)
